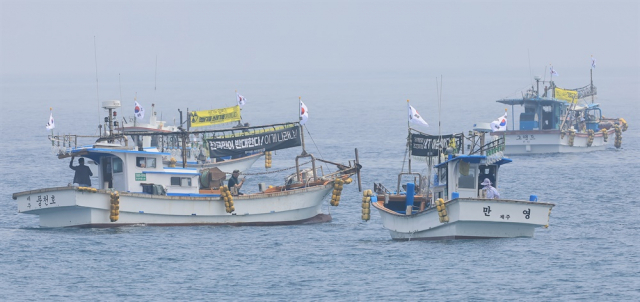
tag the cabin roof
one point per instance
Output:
(474, 159)
(541, 101)
(97, 153)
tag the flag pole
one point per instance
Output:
(51, 114)
(238, 103)
(304, 151)
(135, 117)
(591, 71)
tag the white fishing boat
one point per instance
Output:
(559, 120)
(195, 153)
(453, 205)
(134, 188)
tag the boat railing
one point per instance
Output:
(491, 147)
(313, 165)
(67, 142)
(418, 188)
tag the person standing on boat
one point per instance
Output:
(83, 173)
(234, 183)
(489, 190)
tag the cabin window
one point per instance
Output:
(117, 165)
(442, 176)
(145, 162)
(181, 181)
(467, 177)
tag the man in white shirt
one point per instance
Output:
(490, 191)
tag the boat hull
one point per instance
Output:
(552, 141)
(69, 206)
(469, 218)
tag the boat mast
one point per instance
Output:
(95, 53)
(183, 135)
(409, 137)
(591, 85)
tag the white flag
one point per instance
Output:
(500, 124)
(553, 71)
(241, 99)
(139, 111)
(304, 113)
(415, 118)
(51, 124)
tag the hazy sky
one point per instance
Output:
(57, 37)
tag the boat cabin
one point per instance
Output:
(129, 170)
(462, 175)
(554, 112)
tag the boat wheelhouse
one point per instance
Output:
(559, 120)
(449, 202)
(135, 188)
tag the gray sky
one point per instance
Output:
(57, 37)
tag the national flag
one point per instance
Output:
(51, 124)
(553, 71)
(304, 113)
(241, 99)
(593, 62)
(500, 124)
(138, 110)
(414, 117)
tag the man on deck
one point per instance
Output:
(83, 173)
(235, 183)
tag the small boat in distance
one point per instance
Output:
(559, 120)
(134, 188)
(449, 202)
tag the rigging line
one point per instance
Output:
(515, 92)
(95, 53)
(530, 70)
(271, 172)
(120, 84)
(439, 92)
(314, 143)
(155, 82)
(405, 157)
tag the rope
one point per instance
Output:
(314, 143)
(270, 172)
(404, 159)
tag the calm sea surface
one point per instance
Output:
(589, 252)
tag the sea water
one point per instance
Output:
(589, 251)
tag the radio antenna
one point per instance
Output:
(155, 81)
(95, 53)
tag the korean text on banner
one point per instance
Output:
(270, 140)
(214, 117)
(570, 96)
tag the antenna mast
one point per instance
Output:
(155, 80)
(95, 53)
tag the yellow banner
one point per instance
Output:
(214, 117)
(570, 96)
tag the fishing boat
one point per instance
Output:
(134, 188)
(559, 120)
(195, 154)
(449, 201)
